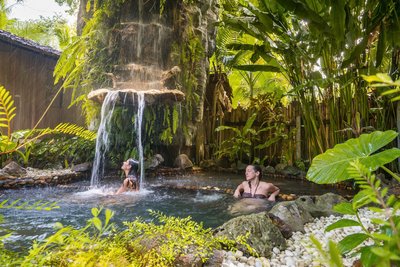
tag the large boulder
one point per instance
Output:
(293, 215)
(83, 167)
(183, 162)
(14, 169)
(154, 162)
(320, 206)
(280, 167)
(291, 170)
(263, 235)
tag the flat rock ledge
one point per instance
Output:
(36, 177)
(151, 96)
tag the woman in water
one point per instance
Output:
(254, 188)
(131, 182)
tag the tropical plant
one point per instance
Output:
(305, 41)
(85, 61)
(20, 142)
(60, 150)
(384, 80)
(247, 142)
(357, 159)
(331, 166)
(11, 258)
(164, 242)
(240, 143)
(99, 243)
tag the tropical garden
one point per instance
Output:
(318, 82)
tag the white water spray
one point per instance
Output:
(102, 138)
(138, 127)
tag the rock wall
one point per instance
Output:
(138, 34)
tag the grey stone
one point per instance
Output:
(269, 169)
(319, 206)
(263, 235)
(207, 163)
(5, 176)
(183, 162)
(154, 161)
(83, 167)
(14, 169)
(280, 167)
(291, 170)
(293, 215)
(216, 259)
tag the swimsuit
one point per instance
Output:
(250, 195)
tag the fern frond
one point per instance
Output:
(28, 205)
(7, 110)
(73, 129)
(360, 173)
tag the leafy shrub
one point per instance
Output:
(141, 244)
(18, 145)
(61, 149)
(357, 159)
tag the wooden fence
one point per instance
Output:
(26, 71)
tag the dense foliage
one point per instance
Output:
(18, 145)
(321, 48)
(357, 159)
(163, 242)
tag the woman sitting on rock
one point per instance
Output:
(131, 182)
(254, 188)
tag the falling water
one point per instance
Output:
(102, 138)
(140, 30)
(138, 126)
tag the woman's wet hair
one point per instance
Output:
(257, 168)
(134, 166)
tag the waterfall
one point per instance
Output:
(144, 40)
(138, 127)
(102, 138)
(140, 30)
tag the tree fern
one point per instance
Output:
(7, 110)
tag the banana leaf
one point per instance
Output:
(331, 166)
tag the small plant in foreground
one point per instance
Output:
(99, 243)
(356, 159)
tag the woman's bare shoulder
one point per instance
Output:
(266, 184)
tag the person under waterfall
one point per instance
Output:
(254, 188)
(131, 182)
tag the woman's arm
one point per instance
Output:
(274, 192)
(238, 191)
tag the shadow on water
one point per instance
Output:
(76, 200)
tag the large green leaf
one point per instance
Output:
(351, 241)
(341, 224)
(331, 166)
(344, 208)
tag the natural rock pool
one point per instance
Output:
(76, 200)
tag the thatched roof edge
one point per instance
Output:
(28, 44)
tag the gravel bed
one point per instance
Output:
(300, 251)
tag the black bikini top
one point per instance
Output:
(248, 195)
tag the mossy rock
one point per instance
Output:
(263, 235)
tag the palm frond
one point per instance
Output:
(74, 129)
(7, 110)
